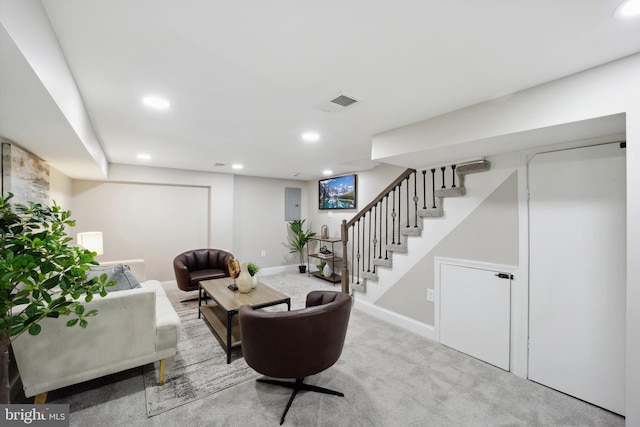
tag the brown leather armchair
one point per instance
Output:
(297, 343)
(200, 264)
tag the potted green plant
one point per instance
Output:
(253, 271)
(253, 268)
(41, 274)
(321, 266)
(299, 240)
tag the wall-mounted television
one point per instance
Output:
(338, 193)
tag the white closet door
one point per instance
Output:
(475, 312)
(577, 214)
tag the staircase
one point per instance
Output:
(384, 226)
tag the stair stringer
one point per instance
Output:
(434, 230)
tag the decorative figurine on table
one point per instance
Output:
(234, 271)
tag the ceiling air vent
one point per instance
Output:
(344, 100)
(338, 103)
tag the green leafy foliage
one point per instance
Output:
(300, 237)
(41, 273)
(253, 268)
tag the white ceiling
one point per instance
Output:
(246, 78)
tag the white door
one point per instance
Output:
(475, 313)
(577, 214)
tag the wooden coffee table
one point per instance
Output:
(221, 316)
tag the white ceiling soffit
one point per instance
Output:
(595, 129)
(30, 118)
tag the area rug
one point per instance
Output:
(199, 368)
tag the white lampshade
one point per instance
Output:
(91, 240)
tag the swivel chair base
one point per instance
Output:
(297, 386)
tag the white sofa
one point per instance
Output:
(133, 327)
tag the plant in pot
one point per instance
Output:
(299, 240)
(41, 274)
(253, 271)
(321, 266)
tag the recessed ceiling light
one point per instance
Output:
(156, 102)
(237, 166)
(144, 156)
(327, 172)
(310, 136)
(628, 9)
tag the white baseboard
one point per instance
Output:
(279, 269)
(404, 322)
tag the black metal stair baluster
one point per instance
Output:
(415, 199)
(433, 187)
(393, 219)
(386, 227)
(364, 247)
(380, 234)
(369, 248)
(399, 212)
(375, 235)
(353, 250)
(424, 189)
(408, 220)
(453, 175)
(443, 168)
(358, 254)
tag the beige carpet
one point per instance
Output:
(390, 377)
(199, 369)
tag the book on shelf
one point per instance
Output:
(324, 256)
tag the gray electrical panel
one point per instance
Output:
(292, 201)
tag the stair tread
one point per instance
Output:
(381, 262)
(401, 248)
(451, 192)
(411, 231)
(431, 213)
(465, 169)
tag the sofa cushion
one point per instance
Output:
(123, 276)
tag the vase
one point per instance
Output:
(324, 232)
(254, 281)
(245, 282)
(327, 271)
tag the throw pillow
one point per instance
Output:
(123, 277)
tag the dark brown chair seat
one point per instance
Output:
(200, 264)
(297, 343)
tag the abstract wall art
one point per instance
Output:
(25, 175)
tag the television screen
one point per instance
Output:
(337, 193)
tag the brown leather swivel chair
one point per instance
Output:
(200, 264)
(297, 343)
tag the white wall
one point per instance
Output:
(221, 194)
(60, 189)
(151, 221)
(259, 222)
(156, 213)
